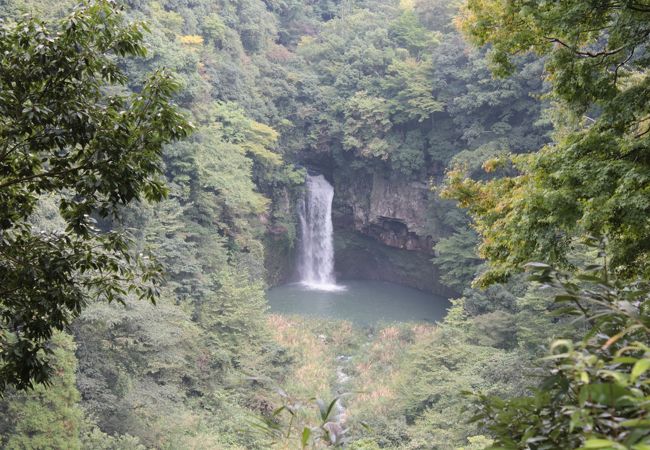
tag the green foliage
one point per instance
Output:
(47, 417)
(588, 183)
(171, 21)
(595, 393)
(393, 93)
(590, 51)
(407, 32)
(97, 440)
(456, 256)
(439, 370)
(155, 374)
(593, 180)
(235, 313)
(360, 87)
(366, 123)
(412, 377)
(179, 375)
(215, 28)
(62, 132)
(479, 442)
(305, 429)
(408, 91)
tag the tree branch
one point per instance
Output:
(586, 53)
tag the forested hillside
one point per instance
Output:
(153, 157)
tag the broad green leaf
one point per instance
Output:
(601, 443)
(639, 368)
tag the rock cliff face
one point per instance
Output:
(385, 229)
(358, 256)
(393, 211)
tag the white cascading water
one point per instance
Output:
(316, 253)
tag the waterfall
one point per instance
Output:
(316, 252)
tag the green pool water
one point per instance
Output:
(362, 302)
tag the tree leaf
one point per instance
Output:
(640, 367)
(304, 440)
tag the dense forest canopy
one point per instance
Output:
(156, 150)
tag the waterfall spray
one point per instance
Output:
(316, 252)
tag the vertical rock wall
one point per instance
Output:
(385, 229)
(393, 211)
